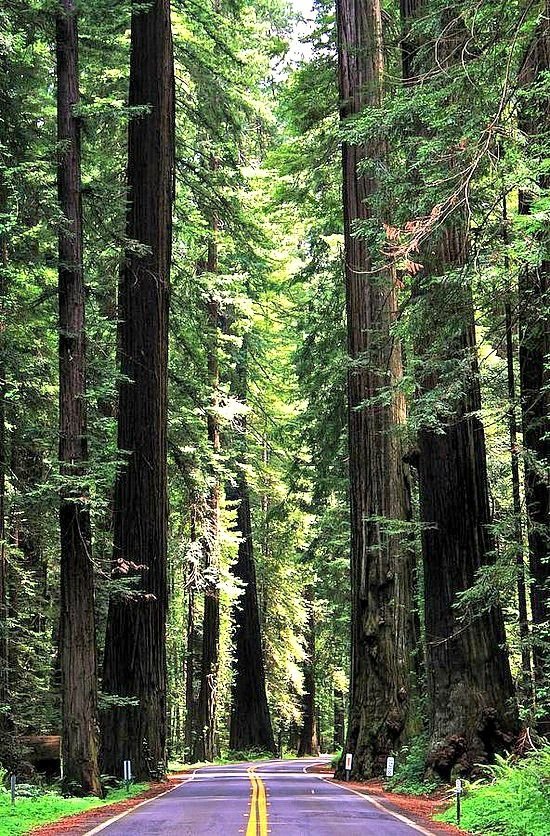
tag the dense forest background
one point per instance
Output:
(351, 354)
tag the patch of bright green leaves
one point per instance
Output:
(514, 801)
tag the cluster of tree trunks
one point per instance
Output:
(471, 692)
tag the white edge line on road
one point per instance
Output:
(380, 806)
(108, 823)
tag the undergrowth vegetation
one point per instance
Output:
(410, 766)
(514, 801)
(35, 806)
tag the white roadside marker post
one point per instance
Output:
(127, 774)
(458, 791)
(13, 784)
(349, 761)
(390, 767)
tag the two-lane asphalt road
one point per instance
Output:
(269, 797)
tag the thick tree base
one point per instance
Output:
(461, 754)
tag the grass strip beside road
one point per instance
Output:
(51, 807)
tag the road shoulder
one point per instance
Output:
(418, 809)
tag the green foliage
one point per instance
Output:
(513, 801)
(410, 768)
(45, 807)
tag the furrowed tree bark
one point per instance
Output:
(472, 711)
(206, 743)
(4, 673)
(250, 727)
(78, 663)
(380, 571)
(309, 740)
(534, 303)
(135, 654)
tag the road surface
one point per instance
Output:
(270, 797)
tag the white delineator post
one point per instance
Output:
(349, 761)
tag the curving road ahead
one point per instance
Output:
(256, 799)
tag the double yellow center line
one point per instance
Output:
(257, 820)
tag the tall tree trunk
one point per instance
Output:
(470, 688)
(4, 676)
(379, 693)
(189, 731)
(135, 653)
(206, 745)
(250, 719)
(8, 757)
(534, 302)
(77, 617)
(250, 726)
(526, 684)
(309, 741)
(339, 719)
(189, 676)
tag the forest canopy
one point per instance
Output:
(274, 382)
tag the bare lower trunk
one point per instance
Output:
(206, 743)
(135, 653)
(380, 565)
(4, 676)
(77, 639)
(309, 740)
(250, 721)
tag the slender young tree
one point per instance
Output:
(534, 303)
(77, 637)
(526, 684)
(135, 651)
(379, 693)
(206, 744)
(190, 638)
(470, 688)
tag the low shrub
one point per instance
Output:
(513, 800)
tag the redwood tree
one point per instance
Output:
(135, 652)
(309, 737)
(470, 689)
(534, 300)
(250, 726)
(77, 638)
(379, 693)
